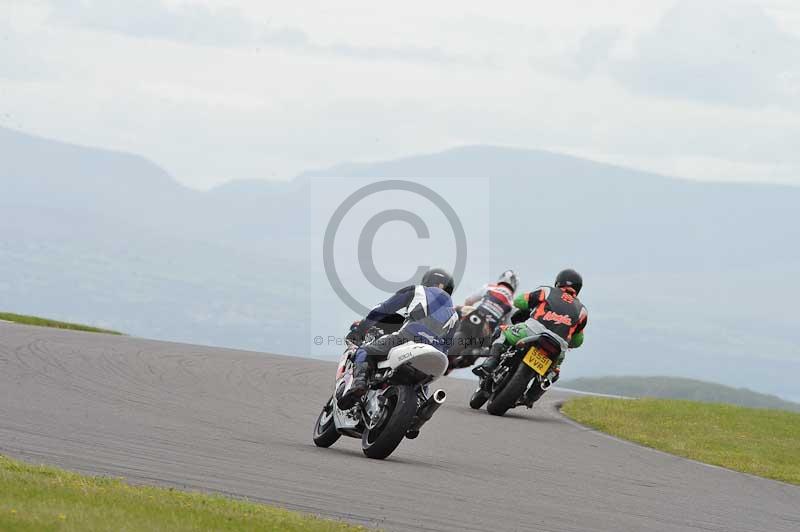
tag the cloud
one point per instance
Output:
(18, 61)
(308, 100)
(595, 47)
(227, 27)
(718, 53)
(591, 52)
(193, 23)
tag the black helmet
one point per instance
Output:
(510, 278)
(436, 277)
(569, 278)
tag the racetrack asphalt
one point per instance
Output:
(240, 423)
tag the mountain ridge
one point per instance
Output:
(667, 261)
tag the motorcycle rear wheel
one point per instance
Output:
(379, 442)
(508, 395)
(325, 433)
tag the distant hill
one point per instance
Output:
(606, 217)
(675, 270)
(48, 173)
(678, 388)
(99, 236)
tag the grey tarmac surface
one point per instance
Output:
(240, 423)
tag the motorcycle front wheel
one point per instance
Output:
(399, 411)
(478, 398)
(325, 433)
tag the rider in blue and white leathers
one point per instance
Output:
(427, 315)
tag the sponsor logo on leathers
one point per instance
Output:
(557, 318)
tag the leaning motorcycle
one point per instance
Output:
(525, 371)
(396, 405)
(470, 340)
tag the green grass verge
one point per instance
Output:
(678, 388)
(42, 322)
(40, 498)
(757, 441)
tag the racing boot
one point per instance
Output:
(491, 362)
(357, 388)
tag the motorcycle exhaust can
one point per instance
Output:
(427, 409)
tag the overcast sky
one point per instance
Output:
(222, 90)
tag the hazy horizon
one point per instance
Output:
(237, 266)
(349, 163)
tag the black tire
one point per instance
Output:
(381, 441)
(509, 394)
(479, 398)
(325, 433)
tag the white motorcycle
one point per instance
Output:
(396, 405)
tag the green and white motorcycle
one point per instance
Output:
(528, 367)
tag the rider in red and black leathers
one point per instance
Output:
(556, 309)
(481, 314)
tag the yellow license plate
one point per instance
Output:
(538, 361)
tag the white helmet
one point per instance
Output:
(510, 278)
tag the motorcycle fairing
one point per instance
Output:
(422, 357)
